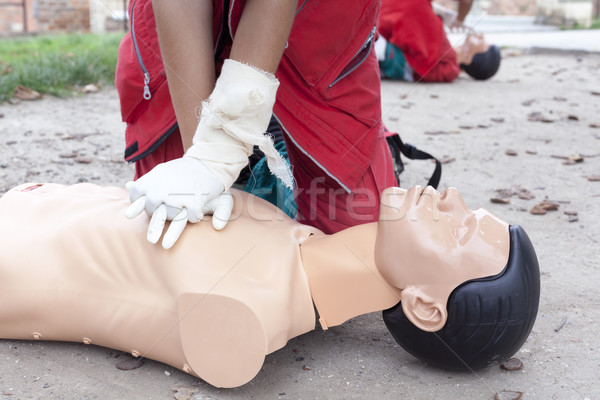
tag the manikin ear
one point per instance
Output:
(422, 310)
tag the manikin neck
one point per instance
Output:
(343, 279)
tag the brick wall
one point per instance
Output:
(11, 17)
(63, 16)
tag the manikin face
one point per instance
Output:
(434, 241)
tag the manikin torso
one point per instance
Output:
(73, 268)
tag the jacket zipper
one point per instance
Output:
(147, 94)
(301, 7)
(367, 45)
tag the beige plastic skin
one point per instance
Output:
(217, 302)
(73, 268)
(425, 243)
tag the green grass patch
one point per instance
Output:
(575, 25)
(57, 64)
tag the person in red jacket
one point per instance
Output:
(229, 66)
(413, 45)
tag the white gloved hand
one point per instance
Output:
(233, 120)
(180, 190)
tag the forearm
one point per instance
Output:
(262, 33)
(185, 35)
(464, 6)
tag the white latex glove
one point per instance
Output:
(233, 120)
(180, 190)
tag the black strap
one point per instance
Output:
(413, 153)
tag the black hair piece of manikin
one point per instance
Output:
(484, 65)
(489, 319)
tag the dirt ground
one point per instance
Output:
(540, 107)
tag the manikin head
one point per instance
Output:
(483, 60)
(468, 280)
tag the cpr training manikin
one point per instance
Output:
(458, 288)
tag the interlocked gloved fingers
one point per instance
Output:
(180, 190)
(233, 120)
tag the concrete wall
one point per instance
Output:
(565, 12)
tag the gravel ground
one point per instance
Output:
(542, 108)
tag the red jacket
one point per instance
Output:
(328, 102)
(413, 27)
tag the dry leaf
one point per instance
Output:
(90, 88)
(447, 160)
(527, 103)
(548, 205)
(68, 155)
(537, 210)
(437, 133)
(524, 194)
(537, 116)
(130, 364)
(512, 364)
(183, 393)
(505, 192)
(82, 160)
(500, 200)
(23, 93)
(573, 159)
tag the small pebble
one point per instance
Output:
(508, 395)
(46, 385)
(511, 152)
(167, 373)
(306, 368)
(3, 166)
(593, 178)
(299, 358)
(573, 218)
